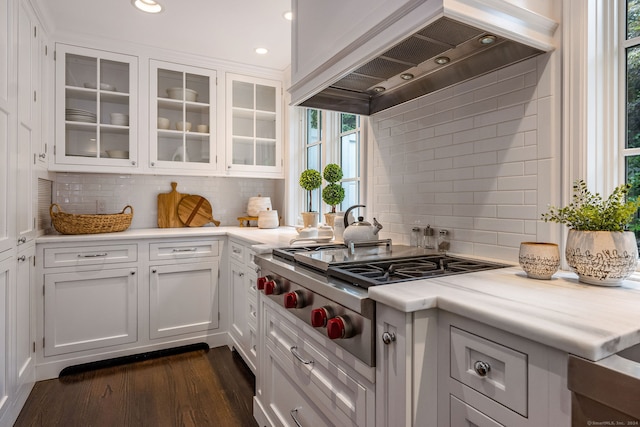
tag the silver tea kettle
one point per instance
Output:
(360, 230)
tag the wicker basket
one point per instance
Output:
(67, 223)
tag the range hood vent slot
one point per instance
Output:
(459, 42)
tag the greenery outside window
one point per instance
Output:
(332, 137)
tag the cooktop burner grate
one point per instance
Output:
(392, 271)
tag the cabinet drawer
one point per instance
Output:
(89, 255)
(250, 258)
(329, 386)
(252, 312)
(236, 251)
(506, 379)
(183, 250)
(463, 415)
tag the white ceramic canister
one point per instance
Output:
(258, 204)
(268, 219)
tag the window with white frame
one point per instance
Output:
(332, 137)
(630, 44)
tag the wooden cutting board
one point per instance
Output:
(195, 211)
(168, 208)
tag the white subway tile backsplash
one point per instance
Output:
(507, 86)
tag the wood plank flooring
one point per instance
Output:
(199, 388)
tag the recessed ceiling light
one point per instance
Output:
(378, 89)
(441, 60)
(261, 51)
(406, 76)
(148, 6)
(488, 39)
(288, 15)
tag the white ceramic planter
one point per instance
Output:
(539, 260)
(604, 258)
(310, 219)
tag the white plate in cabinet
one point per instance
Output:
(494, 370)
(463, 415)
(89, 309)
(183, 298)
(341, 397)
(91, 255)
(176, 251)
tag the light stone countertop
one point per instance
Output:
(589, 321)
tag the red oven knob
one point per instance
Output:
(271, 288)
(261, 282)
(319, 316)
(293, 299)
(339, 327)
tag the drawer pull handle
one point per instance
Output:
(294, 351)
(388, 337)
(237, 250)
(481, 368)
(293, 413)
(185, 250)
(22, 258)
(103, 254)
(22, 240)
(241, 274)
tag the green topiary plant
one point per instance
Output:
(332, 194)
(590, 212)
(310, 179)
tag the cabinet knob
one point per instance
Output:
(388, 337)
(133, 162)
(153, 163)
(133, 273)
(241, 274)
(22, 258)
(42, 155)
(22, 240)
(481, 368)
(154, 270)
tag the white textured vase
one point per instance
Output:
(604, 258)
(539, 260)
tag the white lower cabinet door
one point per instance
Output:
(463, 415)
(89, 309)
(25, 319)
(183, 298)
(6, 271)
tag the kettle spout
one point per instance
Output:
(377, 225)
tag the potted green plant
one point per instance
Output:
(599, 247)
(310, 179)
(333, 193)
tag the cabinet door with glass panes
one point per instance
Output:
(254, 125)
(182, 118)
(96, 109)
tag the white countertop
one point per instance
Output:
(590, 321)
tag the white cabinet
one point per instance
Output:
(25, 320)
(254, 126)
(244, 309)
(183, 298)
(92, 309)
(96, 110)
(308, 381)
(182, 120)
(6, 276)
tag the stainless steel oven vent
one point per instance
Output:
(358, 92)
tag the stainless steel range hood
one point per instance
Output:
(440, 54)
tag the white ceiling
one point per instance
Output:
(223, 29)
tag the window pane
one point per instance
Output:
(313, 157)
(633, 18)
(349, 155)
(633, 97)
(314, 126)
(348, 122)
(351, 194)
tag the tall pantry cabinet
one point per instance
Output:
(23, 45)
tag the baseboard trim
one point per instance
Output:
(117, 361)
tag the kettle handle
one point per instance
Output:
(346, 214)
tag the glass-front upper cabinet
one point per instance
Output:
(182, 118)
(96, 108)
(254, 125)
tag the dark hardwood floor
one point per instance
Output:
(199, 388)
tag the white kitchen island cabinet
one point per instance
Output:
(96, 111)
(104, 299)
(437, 368)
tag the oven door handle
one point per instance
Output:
(294, 351)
